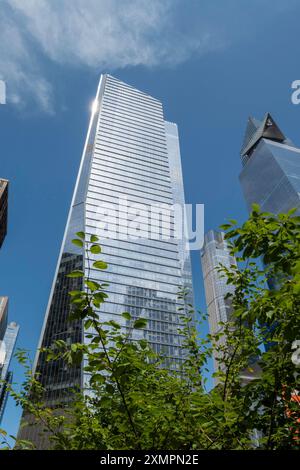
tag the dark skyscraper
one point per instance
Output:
(3, 316)
(271, 167)
(3, 209)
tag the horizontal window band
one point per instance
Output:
(131, 138)
(151, 220)
(130, 118)
(133, 99)
(134, 150)
(143, 165)
(105, 170)
(120, 231)
(111, 160)
(161, 264)
(133, 94)
(124, 208)
(177, 303)
(92, 188)
(138, 147)
(137, 113)
(126, 127)
(150, 243)
(154, 271)
(126, 205)
(161, 310)
(133, 279)
(104, 243)
(138, 188)
(117, 85)
(155, 128)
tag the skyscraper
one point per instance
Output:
(130, 166)
(271, 167)
(215, 252)
(7, 347)
(3, 316)
(3, 209)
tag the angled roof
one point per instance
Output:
(256, 130)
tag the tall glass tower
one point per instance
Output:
(130, 166)
(215, 252)
(271, 167)
(6, 353)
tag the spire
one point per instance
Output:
(256, 130)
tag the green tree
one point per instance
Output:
(135, 400)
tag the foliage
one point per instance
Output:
(134, 399)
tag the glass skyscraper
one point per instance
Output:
(6, 353)
(130, 166)
(215, 252)
(271, 167)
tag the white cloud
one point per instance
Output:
(18, 70)
(96, 33)
(107, 33)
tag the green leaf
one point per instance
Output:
(97, 378)
(100, 296)
(114, 324)
(94, 238)
(76, 273)
(77, 242)
(81, 235)
(95, 249)
(126, 315)
(255, 208)
(292, 211)
(140, 323)
(92, 285)
(225, 226)
(75, 293)
(100, 265)
(88, 324)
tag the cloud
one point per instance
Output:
(107, 33)
(99, 34)
(19, 70)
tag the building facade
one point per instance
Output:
(3, 209)
(7, 350)
(3, 316)
(215, 252)
(271, 167)
(130, 174)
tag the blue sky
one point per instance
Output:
(211, 63)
